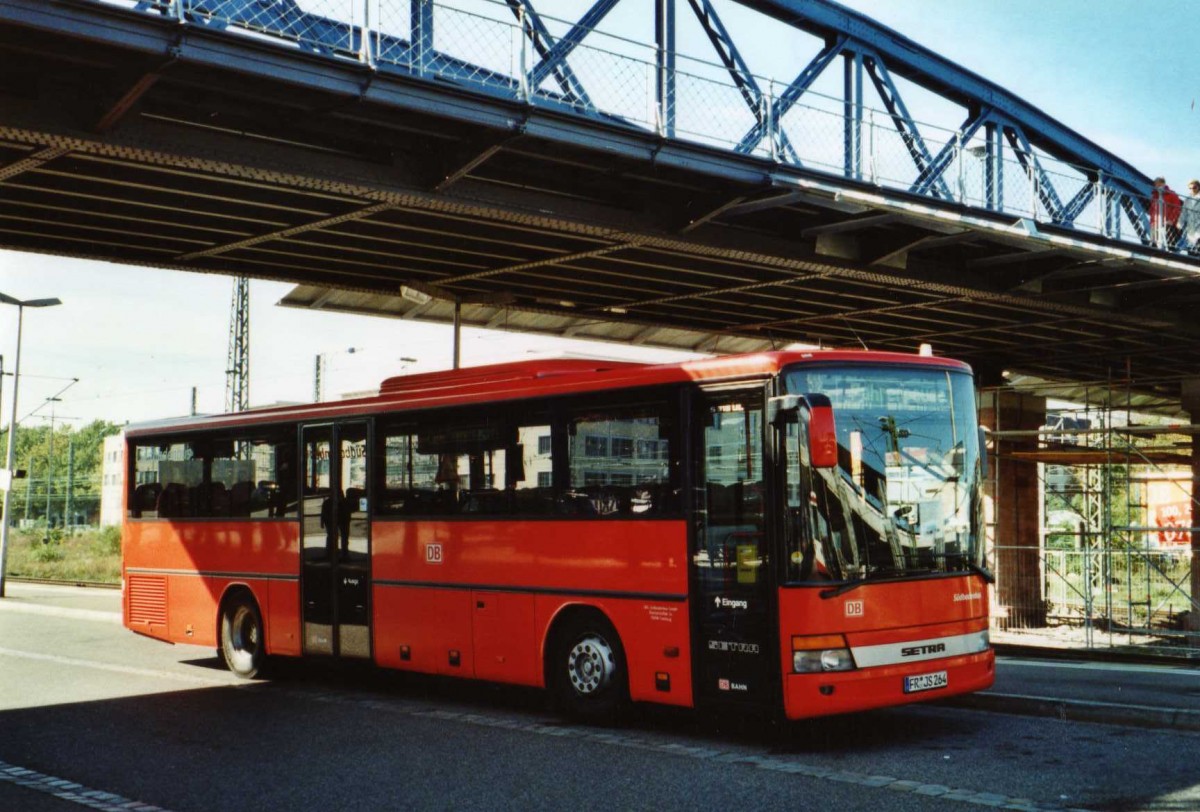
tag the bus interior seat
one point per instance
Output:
(173, 501)
(209, 499)
(533, 501)
(574, 503)
(610, 500)
(647, 499)
(145, 498)
(240, 497)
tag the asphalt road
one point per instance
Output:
(93, 716)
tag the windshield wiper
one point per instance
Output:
(826, 594)
(877, 575)
(849, 586)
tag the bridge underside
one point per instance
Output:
(150, 145)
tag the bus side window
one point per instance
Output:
(408, 478)
(619, 461)
(465, 468)
(209, 476)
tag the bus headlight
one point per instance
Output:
(821, 653)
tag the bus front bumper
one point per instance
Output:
(807, 695)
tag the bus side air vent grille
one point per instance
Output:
(148, 599)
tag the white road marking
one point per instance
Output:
(61, 611)
(756, 760)
(66, 790)
(120, 669)
(107, 801)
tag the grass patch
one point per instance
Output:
(86, 555)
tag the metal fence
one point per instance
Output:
(1107, 598)
(497, 48)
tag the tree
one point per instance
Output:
(76, 466)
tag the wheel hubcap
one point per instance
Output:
(244, 634)
(590, 664)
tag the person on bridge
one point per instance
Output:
(1165, 206)
(1189, 219)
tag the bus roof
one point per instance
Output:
(536, 378)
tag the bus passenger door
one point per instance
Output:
(336, 541)
(735, 649)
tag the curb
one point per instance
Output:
(1090, 655)
(1109, 713)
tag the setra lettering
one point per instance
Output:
(733, 646)
(917, 651)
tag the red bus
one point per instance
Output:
(795, 531)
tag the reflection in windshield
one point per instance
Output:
(905, 496)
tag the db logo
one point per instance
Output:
(855, 609)
(433, 553)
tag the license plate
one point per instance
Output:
(926, 682)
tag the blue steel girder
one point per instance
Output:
(904, 123)
(941, 162)
(420, 23)
(544, 43)
(852, 115)
(934, 72)
(792, 93)
(876, 50)
(1137, 215)
(664, 73)
(557, 55)
(1037, 173)
(1078, 203)
(738, 70)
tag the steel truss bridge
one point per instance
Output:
(720, 176)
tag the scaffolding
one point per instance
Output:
(1113, 566)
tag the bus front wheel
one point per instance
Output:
(587, 671)
(242, 637)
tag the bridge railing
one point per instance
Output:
(500, 47)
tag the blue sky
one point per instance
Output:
(1119, 73)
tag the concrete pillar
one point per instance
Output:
(1014, 496)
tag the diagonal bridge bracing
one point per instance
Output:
(633, 163)
(1005, 156)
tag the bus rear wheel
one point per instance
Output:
(242, 637)
(587, 672)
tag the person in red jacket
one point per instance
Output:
(1165, 207)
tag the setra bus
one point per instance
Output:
(790, 531)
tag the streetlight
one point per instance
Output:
(50, 467)
(6, 480)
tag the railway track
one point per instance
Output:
(62, 582)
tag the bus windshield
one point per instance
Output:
(905, 496)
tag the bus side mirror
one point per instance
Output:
(983, 451)
(822, 432)
(817, 412)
